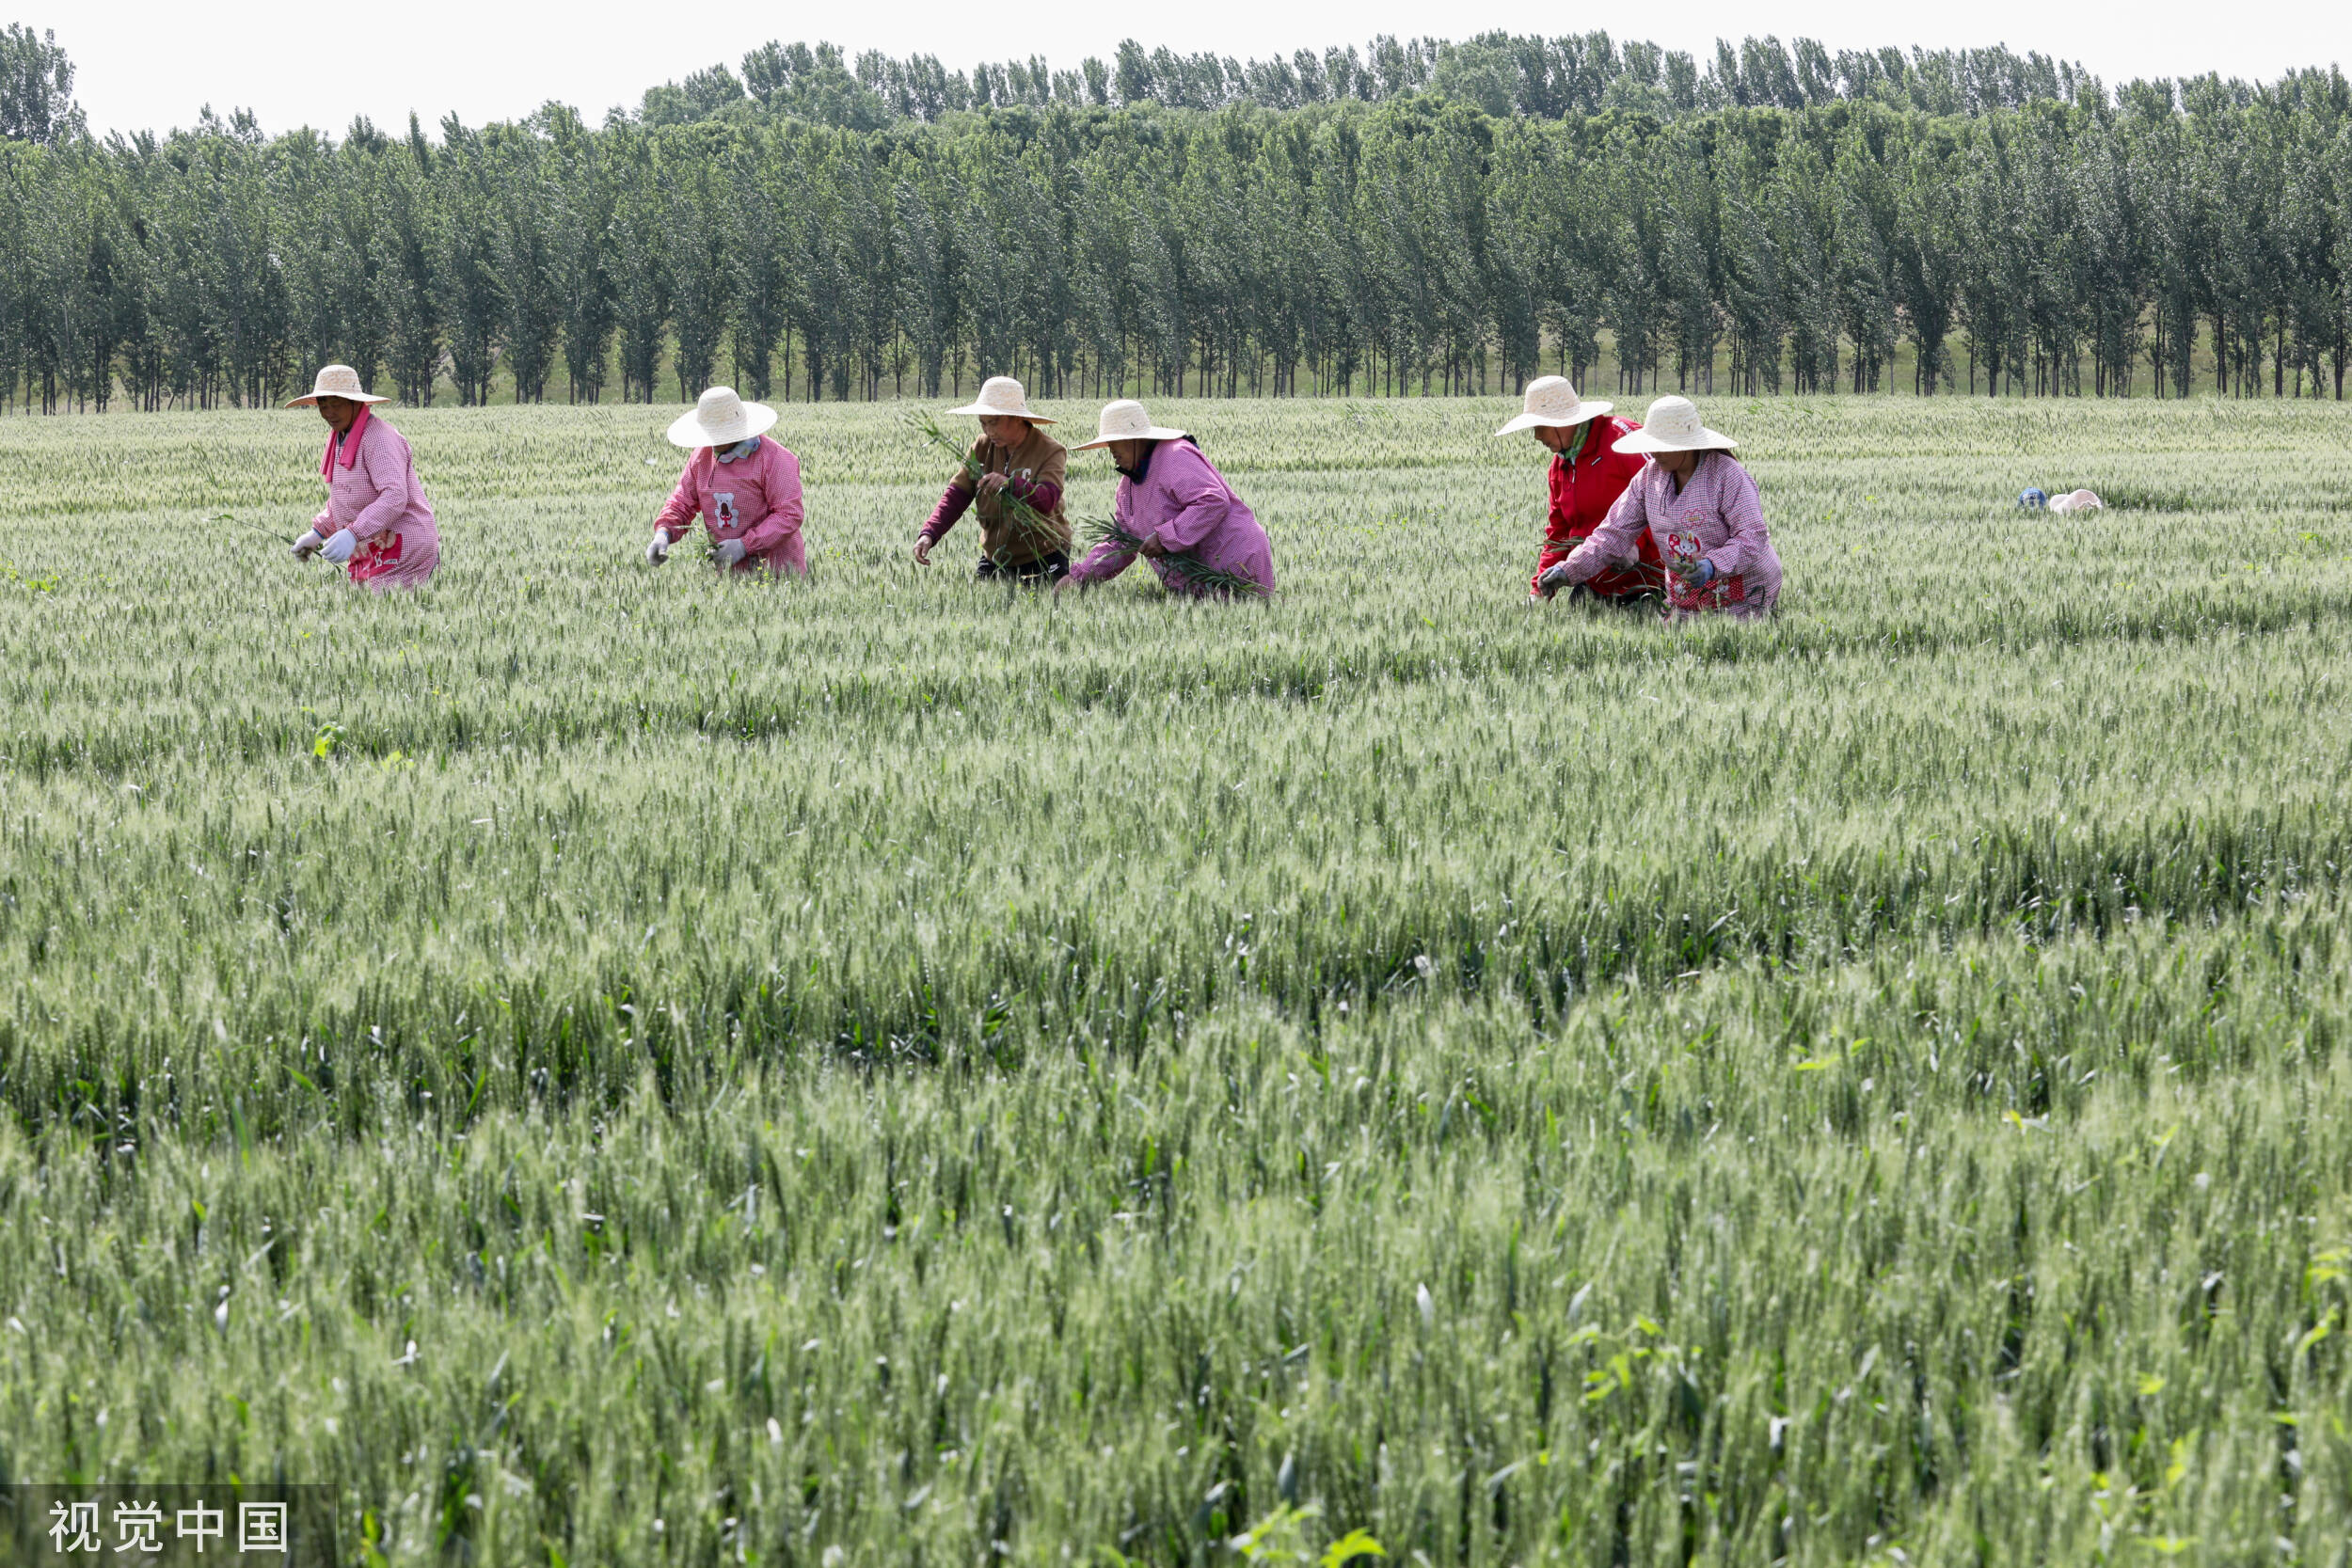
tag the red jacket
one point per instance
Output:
(1581, 495)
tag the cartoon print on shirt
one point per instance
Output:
(1685, 546)
(725, 500)
(377, 556)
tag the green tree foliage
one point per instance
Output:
(36, 89)
(1416, 217)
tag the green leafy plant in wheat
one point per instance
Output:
(38, 582)
(1280, 1540)
(1032, 525)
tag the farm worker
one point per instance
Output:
(377, 524)
(746, 487)
(1700, 505)
(1028, 539)
(1588, 474)
(1176, 511)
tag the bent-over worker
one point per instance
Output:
(1176, 511)
(1587, 476)
(376, 524)
(1694, 497)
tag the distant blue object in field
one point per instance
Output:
(2031, 500)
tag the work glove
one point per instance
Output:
(1695, 574)
(658, 551)
(727, 553)
(1555, 577)
(339, 548)
(308, 546)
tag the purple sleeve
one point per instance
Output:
(1109, 558)
(951, 506)
(1197, 495)
(1742, 512)
(1618, 536)
(1039, 495)
(1102, 563)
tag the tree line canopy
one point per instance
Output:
(1785, 227)
(1502, 75)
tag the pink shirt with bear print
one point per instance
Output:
(755, 498)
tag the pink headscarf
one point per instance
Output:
(351, 446)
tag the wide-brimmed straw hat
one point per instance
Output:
(1550, 400)
(720, 419)
(1673, 425)
(1002, 395)
(1125, 420)
(335, 381)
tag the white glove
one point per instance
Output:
(658, 551)
(728, 552)
(339, 548)
(308, 546)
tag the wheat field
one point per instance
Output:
(607, 1066)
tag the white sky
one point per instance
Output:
(148, 64)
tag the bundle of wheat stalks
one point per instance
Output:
(1196, 575)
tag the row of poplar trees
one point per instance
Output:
(1433, 231)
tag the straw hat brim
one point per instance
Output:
(1643, 441)
(687, 428)
(982, 410)
(310, 399)
(1157, 433)
(1584, 412)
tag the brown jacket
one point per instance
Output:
(1035, 470)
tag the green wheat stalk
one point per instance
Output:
(261, 528)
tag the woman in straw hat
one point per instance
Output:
(1026, 538)
(1700, 505)
(377, 524)
(1175, 510)
(1588, 474)
(746, 487)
